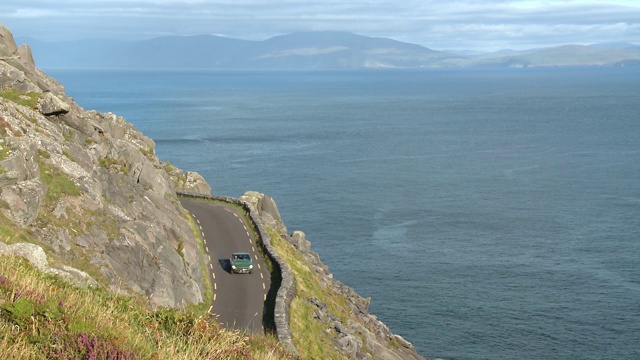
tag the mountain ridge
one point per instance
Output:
(310, 50)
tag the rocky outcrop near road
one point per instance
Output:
(88, 189)
(361, 335)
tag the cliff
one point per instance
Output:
(89, 188)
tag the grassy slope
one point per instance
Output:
(309, 336)
(44, 317)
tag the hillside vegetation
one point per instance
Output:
(43, 317)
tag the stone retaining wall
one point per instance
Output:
(287, 289)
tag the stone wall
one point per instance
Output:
(287, 289)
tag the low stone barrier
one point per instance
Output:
(287, 289)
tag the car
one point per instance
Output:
(241, 263)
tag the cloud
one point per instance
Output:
(432, 23)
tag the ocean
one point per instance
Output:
(489, 214)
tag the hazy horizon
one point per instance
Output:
(435, 24)
(449, 49)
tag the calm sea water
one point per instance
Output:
(489, 214)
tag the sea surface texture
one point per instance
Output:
(489, 214)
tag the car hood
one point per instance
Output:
(240, 263)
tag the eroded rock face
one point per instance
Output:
(187, 182)
(90, 186)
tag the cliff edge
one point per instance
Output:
(89, 188)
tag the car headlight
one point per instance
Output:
(250, 266)
(233, 267)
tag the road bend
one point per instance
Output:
(238, 299)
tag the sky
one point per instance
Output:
(437, 24)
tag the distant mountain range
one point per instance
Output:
(307, 50)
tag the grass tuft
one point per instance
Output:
(25, 99)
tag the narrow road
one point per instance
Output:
(238, 299)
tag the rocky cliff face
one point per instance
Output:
(89, 189)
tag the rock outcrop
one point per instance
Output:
(37, 257)
(362, 335)
(88, 188)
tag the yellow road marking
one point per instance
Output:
(215, 286)
(249, 235)
(264, 287)
(256, 257)
(213, 274)
(214, 297)
(259, 266)
(209, 257)
(211, 266)
(261, 276)
(265, 297)
(250, 240)
(200, 227)
(206, 247)
(253, 249)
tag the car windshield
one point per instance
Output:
(242, 257)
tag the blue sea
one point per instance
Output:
(489, 214)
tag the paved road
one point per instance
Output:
(238, 299)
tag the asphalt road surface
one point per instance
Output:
(238, 299)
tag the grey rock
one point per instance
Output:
(51, 105)
(267, 209)
(299, 240)
(26, 57)
(37, 257)
(7, 43)
(126, 219)
(24, 200)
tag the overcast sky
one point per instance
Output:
(437, 24)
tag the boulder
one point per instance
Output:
(267, 209)
(299, 240)
(24, 200)
(50, 105)
(37, 257)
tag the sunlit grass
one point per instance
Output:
(25, 99)
(42, 317)
(309, 336)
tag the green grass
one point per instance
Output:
(42, 317)
(204, 306)
(4, 126)
(25, 99)
(58, 184)
(118, 165)
(309, 336)
(4, 152)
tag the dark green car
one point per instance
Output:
(241, 263)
